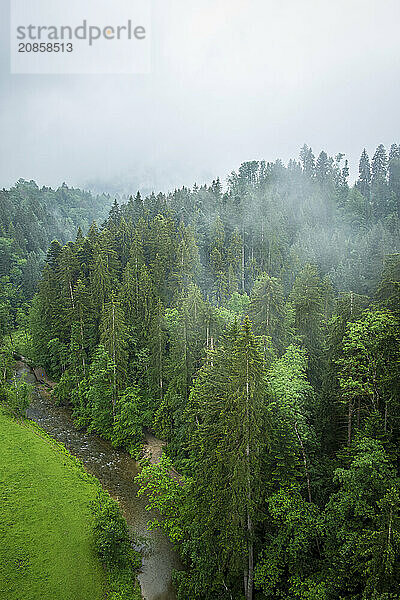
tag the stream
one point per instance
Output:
(116, 471)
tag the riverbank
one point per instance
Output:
(47, 548)
(116, 471)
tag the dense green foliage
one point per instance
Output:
(257, 331)
(18, 396)
(115, 548)
(30, 217)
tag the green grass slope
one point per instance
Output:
(46, 541)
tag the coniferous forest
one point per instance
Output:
(253, 326)
(30, 218)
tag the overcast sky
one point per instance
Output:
(232, 80)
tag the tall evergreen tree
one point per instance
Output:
(364, 177)
(267, 309)
(228, 404)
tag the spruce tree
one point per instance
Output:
(364, 177)
(267, 309)
(229, 436)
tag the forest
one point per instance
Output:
(30, 218)
(254, 327)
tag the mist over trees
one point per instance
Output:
(256, 330)
(30, 218)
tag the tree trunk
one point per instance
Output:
(262, 245)
(83, 350)
(250, 549)
(245, 580)
(161, 362)
(243, 261)
(187, 385)
(386, 415)
(114, 361)
(349, 423)
(305, 462)
(267, 316)
(72, 295)
(250, 580)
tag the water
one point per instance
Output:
(116, 471)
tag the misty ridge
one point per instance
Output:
(276, 217)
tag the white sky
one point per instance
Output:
(232, 80)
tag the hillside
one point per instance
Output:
(30, 218)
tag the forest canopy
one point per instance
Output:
(256, 330)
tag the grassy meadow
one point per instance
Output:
(46, 549)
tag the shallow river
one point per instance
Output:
(116, 471)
